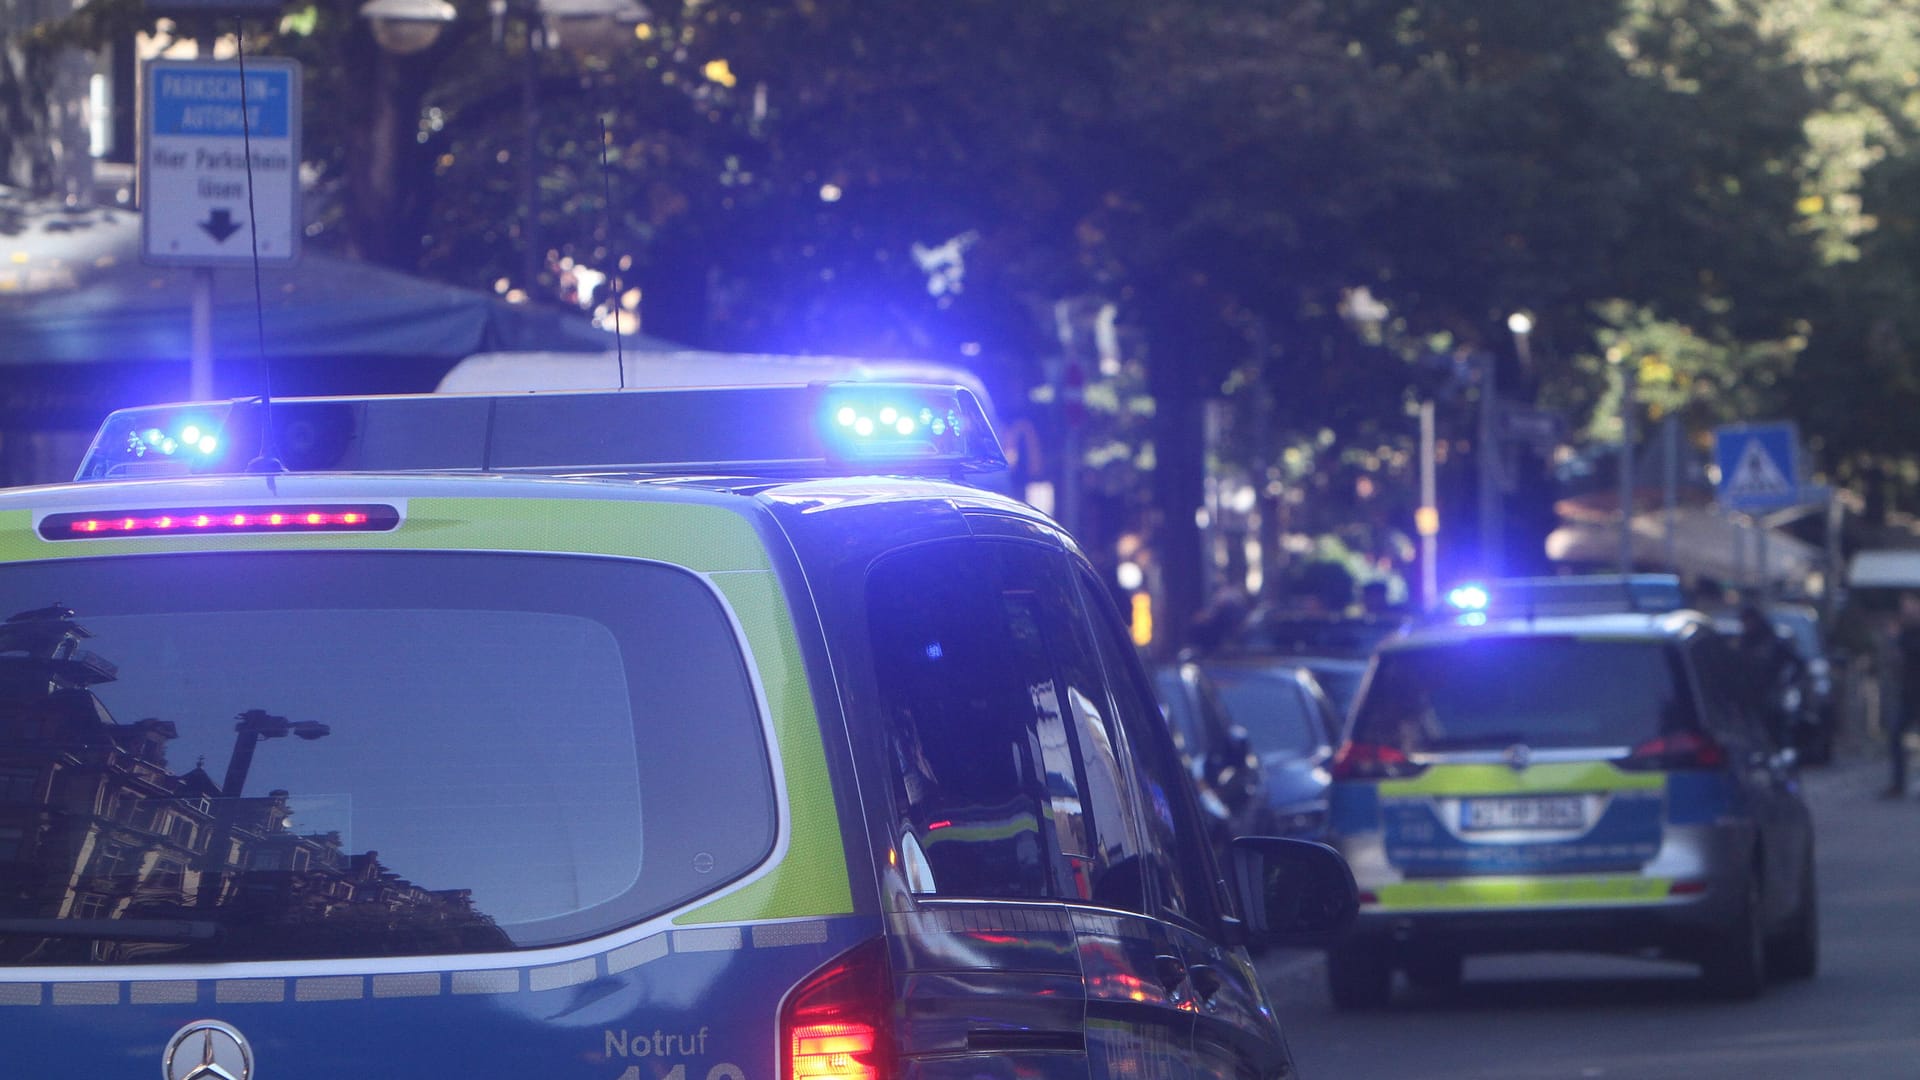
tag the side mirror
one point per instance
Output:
(1295, 892)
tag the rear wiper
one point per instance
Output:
(114, 929)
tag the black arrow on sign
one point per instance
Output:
(220, 225)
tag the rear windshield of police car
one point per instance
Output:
(1544, 691)
(290, 755)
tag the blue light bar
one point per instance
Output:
(885, 421)
(771, 431)
(1470, 597)
(1568, 595)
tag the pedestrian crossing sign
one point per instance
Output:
(1759, 466)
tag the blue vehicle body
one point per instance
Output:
(1567, 783)
(703, 859)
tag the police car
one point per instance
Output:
(1565, 765)
(670, 735)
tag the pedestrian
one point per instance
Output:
(1906, 679)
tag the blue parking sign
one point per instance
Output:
(1759, 466)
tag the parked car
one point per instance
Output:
(1339, 678)
(1568, 782)
(1807, 700)
(1227, 774)
(1292, 729)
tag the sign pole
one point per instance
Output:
(1670, 489)
(200, 326)
(200, 354)
(1429, 516)
(1628, 388)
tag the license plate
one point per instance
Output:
(1552, 812)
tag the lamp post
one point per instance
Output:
(1629, 389)
(581, 27)
(1520, 325)
(1487, 455)
(249, 729)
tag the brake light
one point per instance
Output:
(834, 1024)
(1371, 761)
(222, 519)
(1676, 750)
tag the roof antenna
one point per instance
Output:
(606, 181)
(264, 461)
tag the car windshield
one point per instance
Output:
(1340, 680)
(272, 756)
(1270, 704)
(1543, 691)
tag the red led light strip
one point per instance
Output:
(226, 519)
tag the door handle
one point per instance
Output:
(1170, 970)
(1206, 979)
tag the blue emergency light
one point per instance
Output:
(1468, 598)
(1574, 594)
(818, 429)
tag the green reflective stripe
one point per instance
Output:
(981, 833)
(1498, 892)
(1570, 778)
(812, 878)
(707, 539)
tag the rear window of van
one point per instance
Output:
(1544, 691)
(258, 756)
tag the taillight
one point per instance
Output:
(1371, 761)
(1676, 750)
(329, 517)
(834, 1025)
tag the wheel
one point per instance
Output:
(1795, 954)
(1436, 969)
(1359, 976)
(1735, 965)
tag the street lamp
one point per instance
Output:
(405, 27)
(1520, 325)
(1629, 389)
(582, 27)
(589, 28)
(249, 729)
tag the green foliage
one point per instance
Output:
(1286, 206)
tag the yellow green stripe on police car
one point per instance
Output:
(1521, 892)
(1557, 777)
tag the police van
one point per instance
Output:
(693, 734)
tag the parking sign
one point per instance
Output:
(203, 129)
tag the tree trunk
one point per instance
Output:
(388, 175)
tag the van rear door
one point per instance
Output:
(391, 812)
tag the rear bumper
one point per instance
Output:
(1677, 902)
(1675, 927)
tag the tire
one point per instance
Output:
(1795, 954)
(1359, 976)
(1435, 970)
(1735, 965)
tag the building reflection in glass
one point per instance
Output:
(108, 855)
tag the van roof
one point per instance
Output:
(1648, 625)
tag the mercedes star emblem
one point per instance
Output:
(207, 1050)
